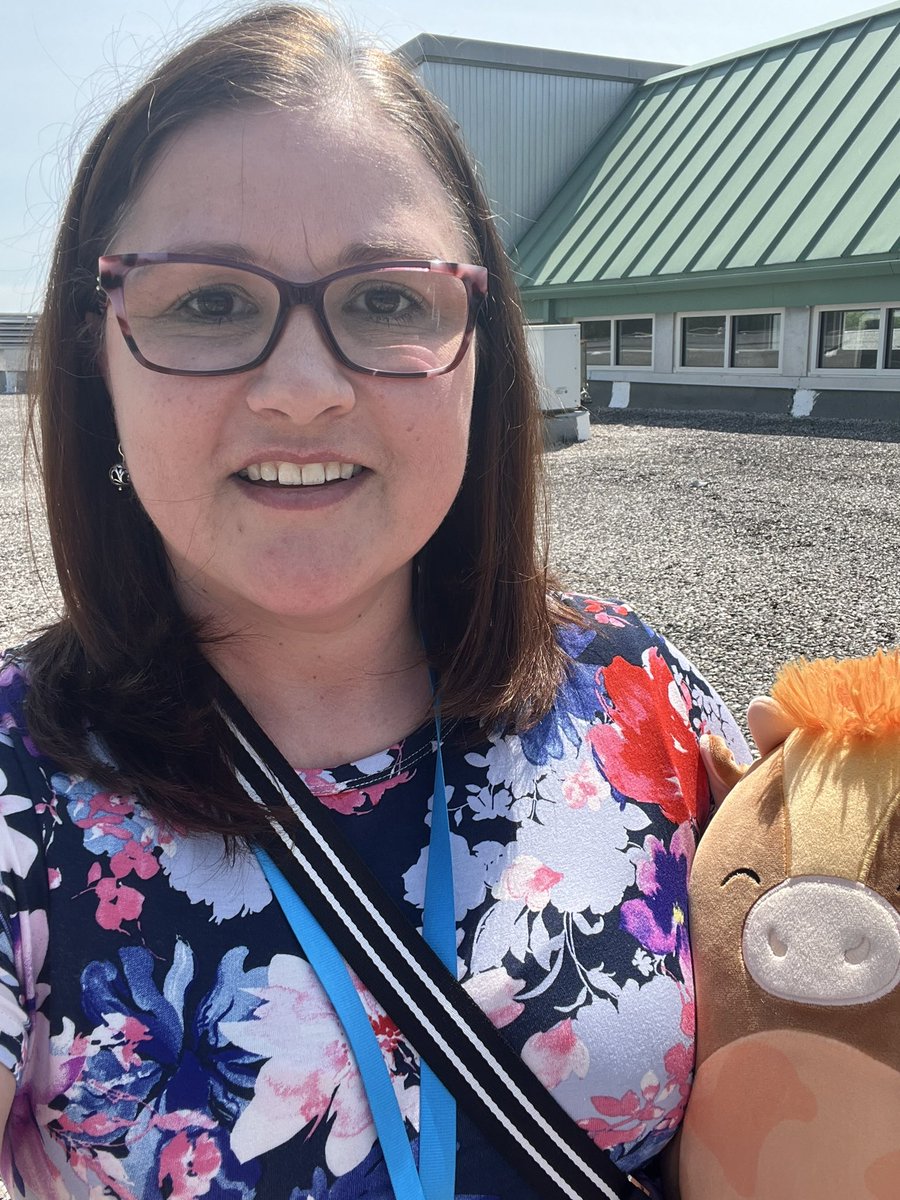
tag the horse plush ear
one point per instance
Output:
(795, 934)
(769, 723)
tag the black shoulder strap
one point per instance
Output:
(439, 1018)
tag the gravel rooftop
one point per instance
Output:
(746, 540)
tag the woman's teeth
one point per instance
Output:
(292, 475)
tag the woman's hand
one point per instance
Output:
(769, 727)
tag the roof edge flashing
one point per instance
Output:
(431, 47)
(665, 283)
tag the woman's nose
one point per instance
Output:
(301, 377)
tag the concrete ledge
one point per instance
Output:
(858, 406)
(848, 405)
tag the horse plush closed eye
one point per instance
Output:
(795, 928)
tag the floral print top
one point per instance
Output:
(169, 1039)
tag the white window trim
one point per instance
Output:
(728, 314)
(883, 307)
(613, 366)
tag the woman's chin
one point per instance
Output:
(314, 600)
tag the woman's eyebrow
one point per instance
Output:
(382, 251)
(213, 250)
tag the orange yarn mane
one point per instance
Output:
(850, 698)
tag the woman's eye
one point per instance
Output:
(382, 302)
(217, 304)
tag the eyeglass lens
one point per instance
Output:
(203, 317)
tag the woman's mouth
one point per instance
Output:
(290, 474)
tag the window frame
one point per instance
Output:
(884, 309)
(614, 341)
(729, 314)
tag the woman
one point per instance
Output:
(321, 500)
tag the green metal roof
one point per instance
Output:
(787, 155)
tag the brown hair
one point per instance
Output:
(125, 661)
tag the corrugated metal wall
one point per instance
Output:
(526, 129)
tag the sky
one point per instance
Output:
(63, 63)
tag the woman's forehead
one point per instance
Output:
(297, 187)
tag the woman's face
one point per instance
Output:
(301, 195)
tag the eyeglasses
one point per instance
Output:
(185, 314)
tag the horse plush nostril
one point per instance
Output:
(858, 953)
(776, 945)
(823, 940)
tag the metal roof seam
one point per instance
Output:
(641, 164)
(886, 199)
(801, 34)
(614, 187)
(854, 183)
(660, 194)
(714, 152)
(776, 149)
(753, 124)
(628, 116)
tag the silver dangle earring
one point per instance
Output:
(118, 472)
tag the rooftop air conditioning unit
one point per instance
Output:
(555, 352)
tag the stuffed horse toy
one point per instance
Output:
(795, 928)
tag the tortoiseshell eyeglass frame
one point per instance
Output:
(113, 270)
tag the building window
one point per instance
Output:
(703, 341)
(597, 338)
(893, 350)
(742, 341)
(849, 339)
(618, 342)
(866, 338)
(755, 339)
(634, 342)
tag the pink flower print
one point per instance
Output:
(97, 1125)
(494, 992)
(606, 614)
(386, 1031)
(556, 1054)
(585, 787)
(308, 1079)
(679, 1062)
(133, 857)
(118, 903)
(688, 1013)
(127, 1033)
(530, 881)
(624, 1118)
(188, 1166)
(105, 817)
(351, 800)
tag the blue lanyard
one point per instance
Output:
(435, 1178)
